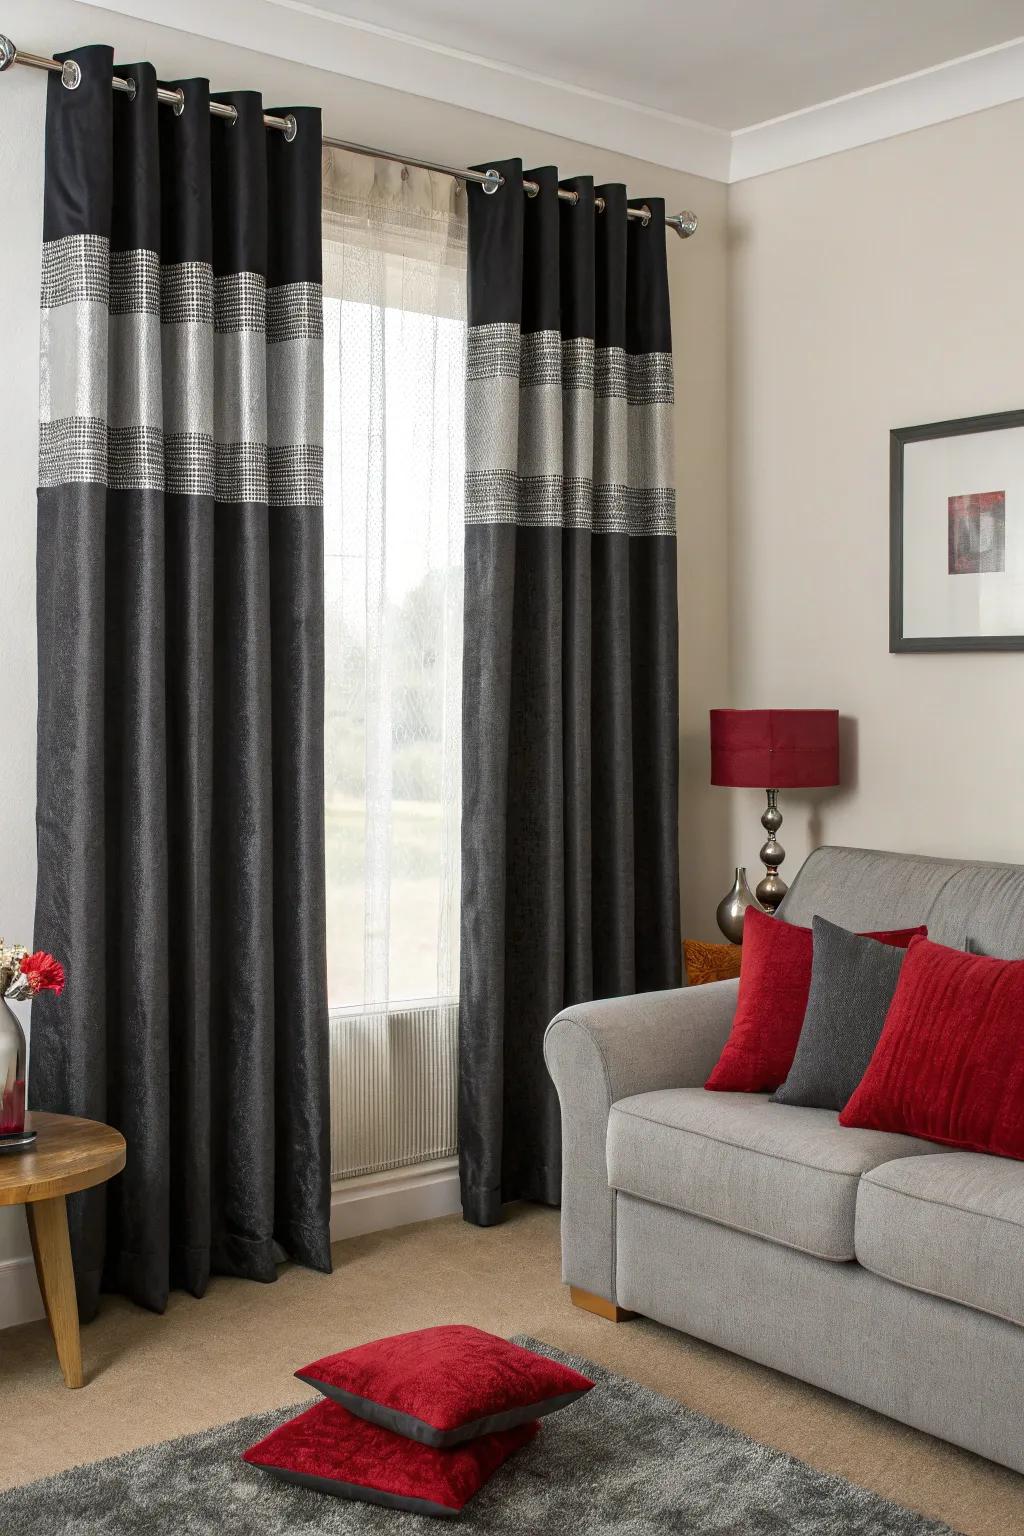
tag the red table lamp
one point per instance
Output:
(773, 749)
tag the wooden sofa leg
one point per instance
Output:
(599, 1306)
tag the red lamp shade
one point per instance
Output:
(774, 748)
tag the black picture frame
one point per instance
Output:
(997, 421)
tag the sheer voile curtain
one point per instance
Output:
(394, 257)
(180, 634)
(570, 880)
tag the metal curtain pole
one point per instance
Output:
(684, 224)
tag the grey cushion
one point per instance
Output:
(786, 1174)
(852, 983)
(952, 1225)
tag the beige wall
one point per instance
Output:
(871, 290)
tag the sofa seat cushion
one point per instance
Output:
(780, 1172)
(951, 1225)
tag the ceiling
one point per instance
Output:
(728, 64)
(722, 89)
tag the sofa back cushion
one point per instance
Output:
(963, 903)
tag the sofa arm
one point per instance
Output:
(603, 1051)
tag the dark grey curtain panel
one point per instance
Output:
(570, 881)
(180, 628)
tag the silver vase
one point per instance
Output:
(732, 907)
(13, 1057)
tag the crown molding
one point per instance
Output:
(974, 83)
(302, 32)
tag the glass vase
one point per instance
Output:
(13, 1054)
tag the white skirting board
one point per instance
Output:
(358, 1206)
(395, 1198)
(20, 1301)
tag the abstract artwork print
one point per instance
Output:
(977, 533)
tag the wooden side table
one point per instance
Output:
(69, 1155)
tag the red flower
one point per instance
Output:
(43, 973)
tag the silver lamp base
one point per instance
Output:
(772, 888)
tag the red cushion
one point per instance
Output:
(949, 1065)
(775, 978)
(332, 1450)
(445, 1385)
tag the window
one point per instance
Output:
(394, 343)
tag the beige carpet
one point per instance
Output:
(232, 1353)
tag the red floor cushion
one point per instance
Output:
(775, 979)
(949, 1065)
(333, 1451)
(443, 1386)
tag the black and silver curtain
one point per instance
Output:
(180, 600)
(570, 693)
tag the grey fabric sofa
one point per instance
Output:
(883, 1268)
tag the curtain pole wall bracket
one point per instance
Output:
(684, 224)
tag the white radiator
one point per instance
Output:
(393, 1087)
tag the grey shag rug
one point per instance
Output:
(622, 1460)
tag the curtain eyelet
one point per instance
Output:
(131, 90)
(292, 129)
(178, 106)
(491, 182)
(71, 75)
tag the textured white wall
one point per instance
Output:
(374, 115)
(875, 289)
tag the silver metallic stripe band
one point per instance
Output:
(76, 269)
(544, 357)
(72, 450)
(493, 351)
(560, 433)
(165, 378)
(240, 302)
(295, 312)
(641, 378)
(134, 283)
(79, 449)
(82, 269)
(296, 473)
(186, 293)
(558, 501)
(190, 464)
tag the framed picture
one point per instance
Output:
(956, 535)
